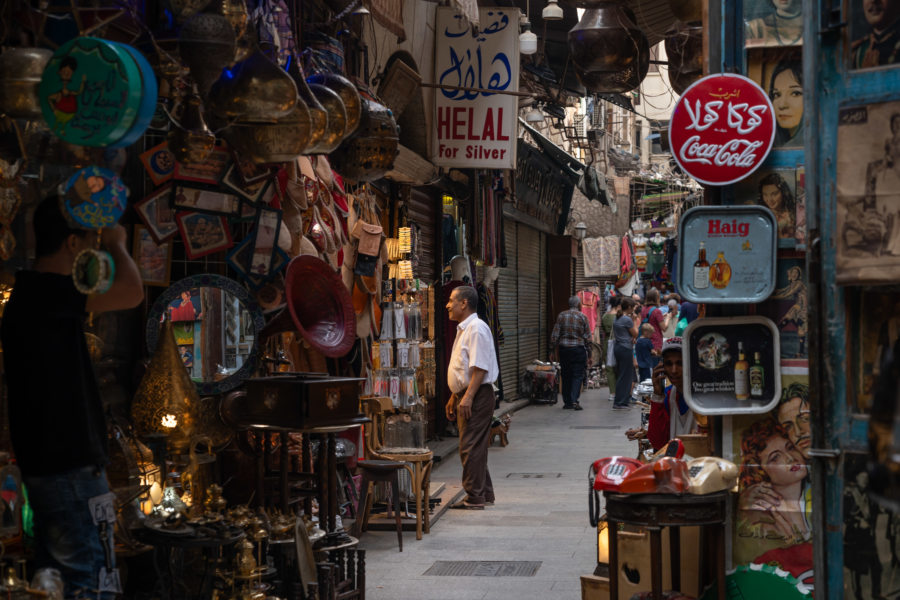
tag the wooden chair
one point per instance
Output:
(417, 464)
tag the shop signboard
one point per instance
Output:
(542, 190)
(722, 129)
(731, 365)
(474, 124)
(727, 254)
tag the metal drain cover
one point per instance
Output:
(533, 475)
(483, 568)
(594, 427)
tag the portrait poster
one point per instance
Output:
(187, 356)
(775, 189)
(773, 23)
(187, 307)
(788, 306)
(202, 233)
(868, 194)
(873, 29)
(875, 321)
(779, 71)
(154, 261)
(718, 381)
(870, 535)
(772, 523)
(800, 198)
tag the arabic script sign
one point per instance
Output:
(722, 129)
(474, 126)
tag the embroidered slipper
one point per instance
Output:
(466, 506)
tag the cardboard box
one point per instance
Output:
(594, 587)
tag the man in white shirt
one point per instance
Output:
(473, 368)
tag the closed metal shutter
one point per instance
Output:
(507, 299)
(544, 342)
(422, 208)
(529, 301)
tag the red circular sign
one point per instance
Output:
(722, 129)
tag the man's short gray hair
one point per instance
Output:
(574, 302)
(469, 294)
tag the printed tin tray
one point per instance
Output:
(727, 254)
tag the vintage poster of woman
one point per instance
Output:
(868, 194)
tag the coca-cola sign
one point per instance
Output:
(722, 129)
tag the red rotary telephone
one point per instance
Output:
(605, 475)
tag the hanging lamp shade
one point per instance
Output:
(552, 12)
(190, 140)
(337, 119)
(206, 44)
(349, 96)
(166, 400)
(370, 153)
(318, 116)
(254, 90)
(684, 49)
(610, 53)
(527, 40)
(282, 141)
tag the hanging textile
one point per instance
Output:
(609, 255)
(592, 249)
(656, 254)
(389, 14)
(590, 301)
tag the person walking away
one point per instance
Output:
(625, 330)
(644, 352)
(569, 342)
(472, 371)
(57, 423)
(606, 324)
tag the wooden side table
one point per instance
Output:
(655, 511)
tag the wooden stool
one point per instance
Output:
(419, 467)
(372, 471)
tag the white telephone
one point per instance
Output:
(710, 474)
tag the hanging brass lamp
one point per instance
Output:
(337, 119)
(349, 96)
(254, 90)
(206, 44)
(282, 141)
(318, 116)
(684, 49)
(610, 53)
(190, 140)
(166, 399)
(371, 152)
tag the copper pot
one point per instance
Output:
(20, 73)
(370, 153)
(609, 51)
(684, 49)
(337, 119)
(349, 96)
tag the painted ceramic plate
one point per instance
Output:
(94, 198)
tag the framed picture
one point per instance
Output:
(868, 194)
(776, 190)
(203, 233)
(268, 224)
(788, 306)
(876, 329)
(251, 192)
(873, 29)
(187, 356)
(249, 171)
(779, 71)
(204, 200)
(773, 23)
(239, 257)
(154, 261)
(210, 171)
(184, 332)
(159, 163)
(186, 308)
(157, 215)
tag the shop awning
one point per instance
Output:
(570, 166)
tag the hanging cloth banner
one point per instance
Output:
(474, 125)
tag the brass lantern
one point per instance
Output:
(349, 96)
(337, 119)
(610, 53)
(318, 116)
(370, 153)
(207, 44)
(255, 90)
(684, 49)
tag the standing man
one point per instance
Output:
(571, 342)
(472, 371)
(57, 422)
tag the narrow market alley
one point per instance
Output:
(541, 514)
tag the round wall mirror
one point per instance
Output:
(216, 324)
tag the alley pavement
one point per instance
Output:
(541, 514)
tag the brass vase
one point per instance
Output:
(255, 90)
(610, 53)
(684, 49)
(337, 119)
(318, 116)
(20, 74)
(371, 152)
(349, 96)
(206, 45)
(190, 140)
(166, 399)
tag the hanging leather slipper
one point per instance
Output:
(466, 506)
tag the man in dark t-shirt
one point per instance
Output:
(56, 417)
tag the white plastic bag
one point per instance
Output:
(610, 354)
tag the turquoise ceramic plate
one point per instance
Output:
(148, 100)
(91, 92)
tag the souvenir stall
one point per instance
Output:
(244, 148)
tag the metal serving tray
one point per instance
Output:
(745, 237)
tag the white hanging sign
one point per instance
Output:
(474, 126)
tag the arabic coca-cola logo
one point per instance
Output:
(722, 129)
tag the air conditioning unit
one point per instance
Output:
(598, 115)
(579, 125)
